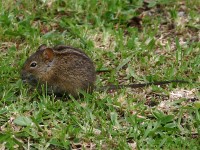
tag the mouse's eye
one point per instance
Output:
(33, 64)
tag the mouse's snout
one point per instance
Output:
(24, 76)
(28, 78)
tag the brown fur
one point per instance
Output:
(65, 70)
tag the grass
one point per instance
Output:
(136, 42)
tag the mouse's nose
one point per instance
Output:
(23, 76)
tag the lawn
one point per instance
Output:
(130, 41)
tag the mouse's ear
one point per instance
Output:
(41, 47)
(48, 54)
